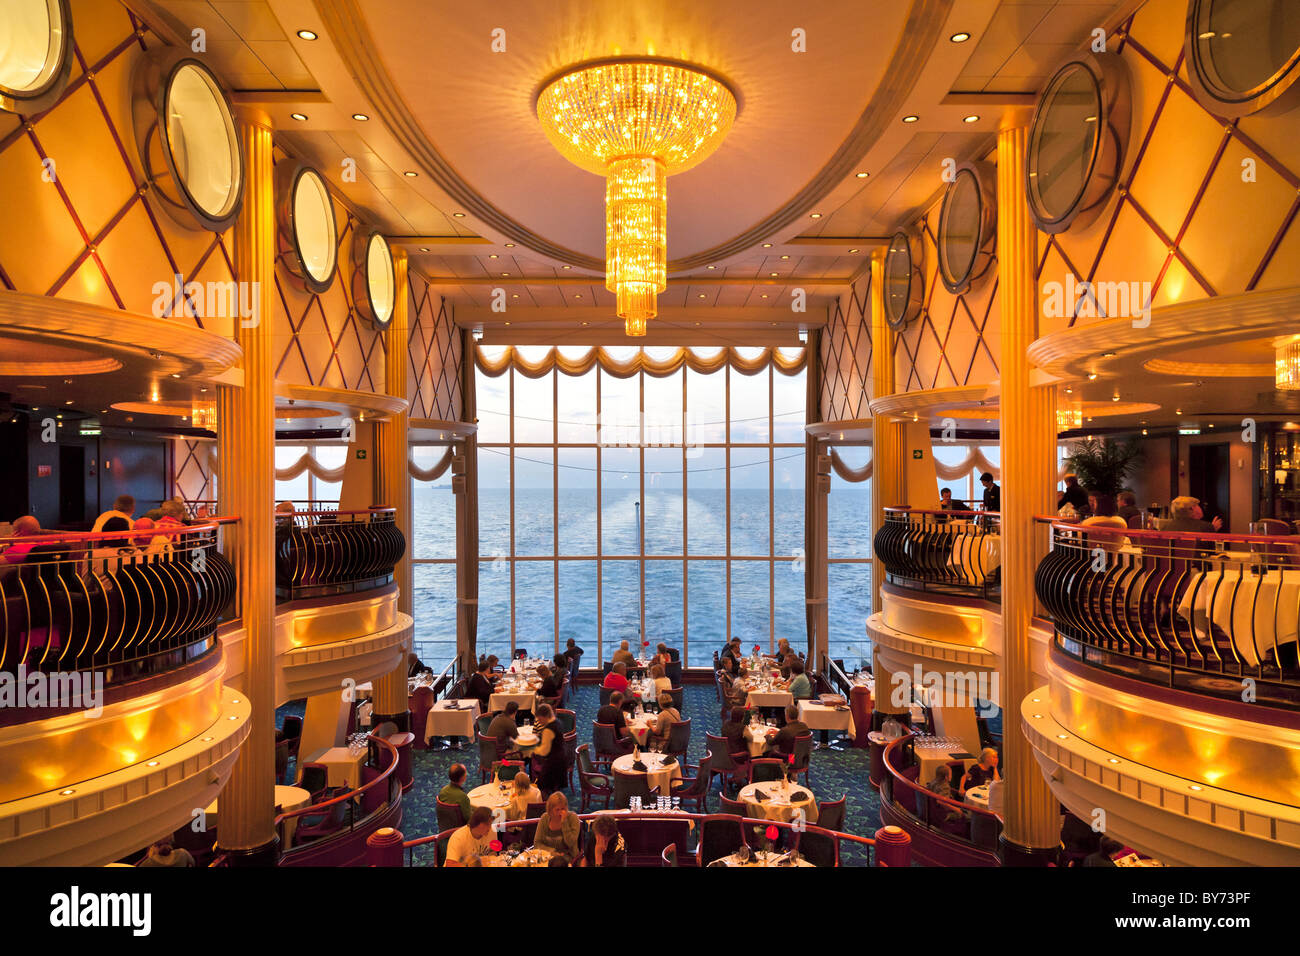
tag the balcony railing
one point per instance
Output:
(321, 553)
(1183, 610)
(952, 552)
(127, 604)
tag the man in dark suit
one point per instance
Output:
(992, 493)
(503, 726)
(480, 685)
(782, 740)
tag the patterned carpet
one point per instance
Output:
(834, 774)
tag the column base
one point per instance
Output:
(1014, 854)
(268, 854)
(402, 720)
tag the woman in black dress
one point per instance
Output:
(548, 756)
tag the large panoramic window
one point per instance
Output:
(848, 556)
(311, 476)
(433, 561)
(644, 507)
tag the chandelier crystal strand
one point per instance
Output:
(636, 122)
(1286, 375)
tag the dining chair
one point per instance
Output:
(830, 814)
(669, 855)
(593, 781)
(629, 785)
(763, 769)
(606, 743)
(694, 789)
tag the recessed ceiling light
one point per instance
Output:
(300, 117)
(1038, 716)
(566, 267)
(701, 295)
(1107, 354)
(862, 175)
(493, 255)
(910, 119)
(1112, 760)
(361, 117)
(507, 323)
(577, 295)
(1114, 398)
(458, 215)
(514, 295)
(973, 118)
(959, 37)
(66, 793)
(585, 323)
(767, 245)
(851, 251)
(1195, 787)
(152, 763)
(411, 172)
(772, 274)
(505, 275)
(424, 248)
(710, 267)
(785, 257)
(1092, 376)
(306, 35)
(814, 215)
(510, 245)
(763, 296)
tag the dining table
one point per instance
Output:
(778, 800)
(286, 799)
(491, 795)
(451, 718)
(659, 774)
(342, 766)
(759, 858)
(929, 757)
(522, 691)
(532, 856)
(1256, 607)
(819, 716)
(766, 693)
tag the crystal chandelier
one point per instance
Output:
(1286, 371)
(1069, 416)
(203, 414)
(636, 122)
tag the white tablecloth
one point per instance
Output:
(819, 717)
(769, 698)
(526, 699)
(756, 738)
(444, 721)
(782, 801)
(1253, 609)
(929, 758)
(640, 727)
(660, 776)
(286, 799)
(975, 556)
(343, 767)
(533, 856)
(490, 795)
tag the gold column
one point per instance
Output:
(1028, 444)
(888, 467)
(394, 486)
(246, 487)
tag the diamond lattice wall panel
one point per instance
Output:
(78, 222)
(193, 477)
(433, 383)
(1205, 206)
(846, 356)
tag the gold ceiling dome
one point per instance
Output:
(636, 121)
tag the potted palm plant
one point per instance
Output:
(1103, 465)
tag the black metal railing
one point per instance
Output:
(320, 553)
(1197, 611)
(129, 604)
(952, 552)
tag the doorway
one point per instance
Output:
(1208, 479)
(72, 485)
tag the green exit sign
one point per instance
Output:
(361, 453)
(917, 453)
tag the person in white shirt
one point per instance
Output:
(473, 839)
(123, 507)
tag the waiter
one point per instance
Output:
(992, 493)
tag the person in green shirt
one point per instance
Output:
(800, 685)
(558, 828)
(454, 791)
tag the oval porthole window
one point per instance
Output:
(374, 283)
(35, 53)
(966, 228)
(903, 282)
(1076, 141)
(309, 245)
(1244, 54)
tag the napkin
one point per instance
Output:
(760, 795)
(962, 756)
(668, 761)
(638, 765)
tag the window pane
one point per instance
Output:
(494, 609)
(788, 500)
(789, 401)
(706, 408)
(849, 510)
(621, 490)
(707, 611)
(492, 396)
(706, 507)
(578, 608)
(577, 517)
(331, 456)
(534, 408)
(534, 502)
(294, 489)
(663, 602)
(493, 502)
(749, 505)
(749, 407)
(750, 603)
(789, 614)
(849, 600)
(577, 407)
(663, 501)
(663, 410)
(620, 410)
(327, 494)
(620, 605)
(434, 530)
(535, 607)
(434, 599)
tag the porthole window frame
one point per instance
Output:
(1278, 93)
(151, 87)
(287, 177)
(983, 177)
(911, 309)
(1110, 79)
(361, 287)
(29, 102)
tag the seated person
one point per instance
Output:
(1104, 855)
(480, 684)
(558, 827)
(948, 503)
(982, 772)
(1074, 496)
(123, 507)
(504, 726)
(414, 666)
(669, 654)
(550, 683)
(732, 650)
(612, 713)
(733, 728)
(617, 678)
(783, 740)
(733, 691)
(662, 683)
(1186, 514)
(942, 782)
(163, 853)
(25, 527)
(800, 685)
(522, 792)
(604, 844)
(454, 791)
(661, 726)
(1127, 509)
(623, 655)
(472, 840)
(559, 665)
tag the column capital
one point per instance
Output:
(249, 115)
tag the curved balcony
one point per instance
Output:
(948, 552)
(326, 553)
(123, 606)
(1201, 613)
(944, 832)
